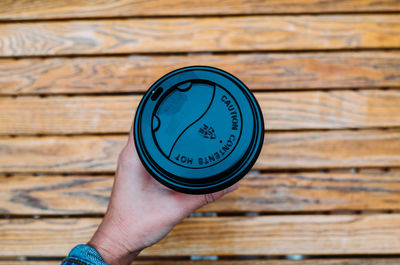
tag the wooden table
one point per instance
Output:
(326, 187)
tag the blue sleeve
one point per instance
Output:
(83, 255)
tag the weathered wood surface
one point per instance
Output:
(254, 33)
(331, 149)
(352, 261)
(273, 192)
(263, 235)
(282, 111)
(258, 71)
(287, 150)
(115, 55)
(50, 9)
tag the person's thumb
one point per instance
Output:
(231, 188)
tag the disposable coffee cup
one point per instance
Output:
(198, 130)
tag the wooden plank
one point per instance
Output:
(353, 261)
(257, 71)
(55, 195)
(262, 235)
(47, 9)
(53, 154)
(252, 33)
(288, 150)
(67, 115)
(333, 149)
(282, 111)
(273, 192)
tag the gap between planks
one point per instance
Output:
(240, 260)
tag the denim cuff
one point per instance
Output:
(83, 255)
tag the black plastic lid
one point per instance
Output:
(198, 130)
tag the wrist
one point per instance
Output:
(112, 251)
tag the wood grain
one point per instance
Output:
(282, 111)
(55, 195)
(273, 192)
(257, 71)
(253, 33)
(48, 9)
(263, 235)
(54, 154)
(67, 115)
(288, 150)
(353, 261)
(171, 42)
(332, 149)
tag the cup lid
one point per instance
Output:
(198, 130)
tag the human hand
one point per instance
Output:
(141, 211)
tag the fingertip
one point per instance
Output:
(231, 188)
(130, 139)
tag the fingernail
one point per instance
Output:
(231, 188)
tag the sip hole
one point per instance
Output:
(156, 93)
